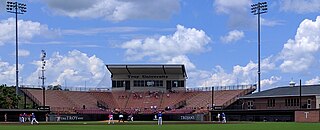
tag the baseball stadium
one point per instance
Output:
(141, 91)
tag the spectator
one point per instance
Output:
(5, 117)
(20, 118)
(29, 117)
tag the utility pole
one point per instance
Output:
(212, 96)
(300, 95)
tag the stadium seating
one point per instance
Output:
(95, 102)
(121, 98)
(107, 98)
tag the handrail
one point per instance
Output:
(218, 88)
(127, 100)
(33, 98)
(246, 91)
(104, 104)
(194, 89)
(179, 104)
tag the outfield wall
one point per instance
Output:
(307, 116)
(137, 117)
(256, 115)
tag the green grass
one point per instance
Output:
(242, 126)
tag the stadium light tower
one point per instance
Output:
(212, 98)
(16, 8)
(257, 9)
(43, 56)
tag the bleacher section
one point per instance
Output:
(93, 102)
(106, 99)
(221, 97)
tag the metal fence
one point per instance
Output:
(195, 89)
(218, 88)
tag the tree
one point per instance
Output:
(55, 87)
(8, 97)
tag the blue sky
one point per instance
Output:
(215, 39)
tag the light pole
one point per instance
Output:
(43, 56)
(257, 9)
(16, 8)
(212, 98)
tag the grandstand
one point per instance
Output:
(141, 90)
(144, 90)
(93, 102)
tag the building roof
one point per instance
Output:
(306, 90)
(157, 69)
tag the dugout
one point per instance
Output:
(256, 115)
(137, 117)
(13, 114)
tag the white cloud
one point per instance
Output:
(27, 30)
(182, 59)
(220, 78)
(23, 53)
(232, 36)
(183, 41)
(95, 31)
(8, 73)
(313, 81)
(271, 23)
(75, 68)
(240, 75)
(238, 12)
(300, 6)
(230, 6)
(190, 40)
(267, 83)
(116, 10)
(171, 49)
(298, 54)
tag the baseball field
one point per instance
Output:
(168, 126)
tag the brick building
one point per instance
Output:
(288, 103)
(284, 98)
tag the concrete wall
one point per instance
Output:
(307, 116)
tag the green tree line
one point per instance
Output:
(8, 98)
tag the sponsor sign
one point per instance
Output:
(71, 118)
(147, 76)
